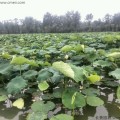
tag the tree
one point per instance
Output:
(89, 18)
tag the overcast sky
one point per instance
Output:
(37, 8)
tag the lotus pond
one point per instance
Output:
(60, 76)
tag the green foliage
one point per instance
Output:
(62, 117)
(44, 75)
(5, 69)
(16, 85)
(43, 85)
(40, 106)
(115, 73)
(20, 60)
(94, 78)
(37, 116)
(67, 99)
(94, 101)
(64, 68)
(102, 63)
(66, 48)
(70, 69)
(30, 74)
(3, 97)
(118, 92)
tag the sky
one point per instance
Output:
(37, 8)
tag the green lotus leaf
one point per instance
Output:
(44, 74)
(20, 60)
(114, 55)
(43, 85)
(6, 55)
(37, 116)
(64, 68)
(115, 73)
(66, 48)
(5, 68)
(102, 63)
(62, 117)
(94, 101)
(94, 78)
(32, 63)
(30, 74)
(67, 99)
(16, 85)
(40, 106)
(3, 98)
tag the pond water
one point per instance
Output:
(110, 110)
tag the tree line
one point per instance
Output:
(70, 22)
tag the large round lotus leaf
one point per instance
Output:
(102, 63)
(40, 106)
(64, 68)
(5, 69)
(37, 116)
(67, 99)
(20, 60)
(44, 75)
(66, 48)
(94, 101)
(62, 117)
(16, 85)
(30, 74)
(115, 73)
(22, 67)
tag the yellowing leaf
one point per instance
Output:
(19, 103)
(94, 78)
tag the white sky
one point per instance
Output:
(37, 8)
